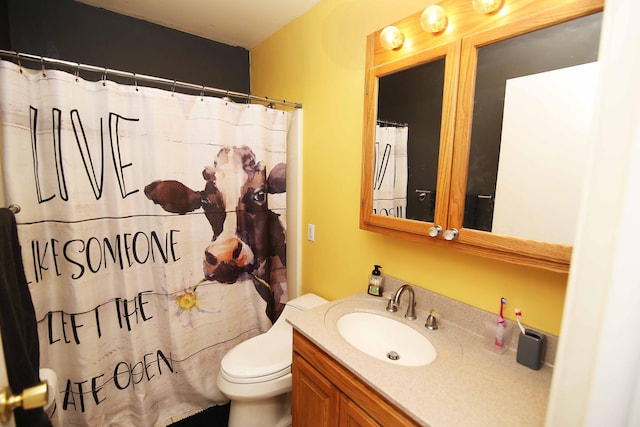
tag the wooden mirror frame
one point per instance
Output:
(468, 30)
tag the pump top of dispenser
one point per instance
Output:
(376, 270)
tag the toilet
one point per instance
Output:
(256, 374)
(52, 408)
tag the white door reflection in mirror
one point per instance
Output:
(546, 134)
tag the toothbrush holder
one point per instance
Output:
(531, 348)
(490, 337)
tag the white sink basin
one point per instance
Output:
(386, 339)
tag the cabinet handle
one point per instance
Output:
(435, 231)
(451, 234)
(422, 194)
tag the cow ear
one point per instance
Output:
(277, 181)
(173, 196)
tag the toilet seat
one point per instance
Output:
(263, 358)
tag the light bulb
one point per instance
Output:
(486, 6)
(391, 38)
(434, 19)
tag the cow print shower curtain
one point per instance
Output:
(153, 232)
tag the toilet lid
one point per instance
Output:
(262, 358)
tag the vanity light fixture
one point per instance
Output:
(487, 6)
(391, 38)
(434, 19)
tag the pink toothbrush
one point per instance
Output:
(500, 327)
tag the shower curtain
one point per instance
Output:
(152, 229)
(390, 171)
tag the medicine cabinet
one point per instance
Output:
(476, 138)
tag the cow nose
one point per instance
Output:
(210, 258)
(225, 260)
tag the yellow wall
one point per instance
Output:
(318, 60)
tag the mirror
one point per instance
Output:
(530, 130)
(408, 129)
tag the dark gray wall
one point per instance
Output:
(72, 31)
(5, 38)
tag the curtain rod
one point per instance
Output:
(137, 77)
(391, 123)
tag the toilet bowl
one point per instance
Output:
(256, 374)
(52, 408)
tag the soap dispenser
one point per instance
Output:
(375, 282)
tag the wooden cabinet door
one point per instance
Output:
(351, 415)
(319, 381)
(315, 401)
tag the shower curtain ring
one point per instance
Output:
(104, 77)
(135, 81)
(202, 94)
(44, 72)
(173, 87)
(271, 104)
(19, 63)
(78, 72)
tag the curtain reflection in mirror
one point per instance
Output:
(390, 169)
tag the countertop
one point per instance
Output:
(467, 384)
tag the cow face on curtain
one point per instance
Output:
(247, 237)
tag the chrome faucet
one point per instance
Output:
(395, 302)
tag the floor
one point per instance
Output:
(215, 416)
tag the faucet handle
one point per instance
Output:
(391, 306)
(432, 322)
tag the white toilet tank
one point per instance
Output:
(301, 303)
(296, 305)
(307, 301)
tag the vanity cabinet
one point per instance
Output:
(326, 394)
(468, 190)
